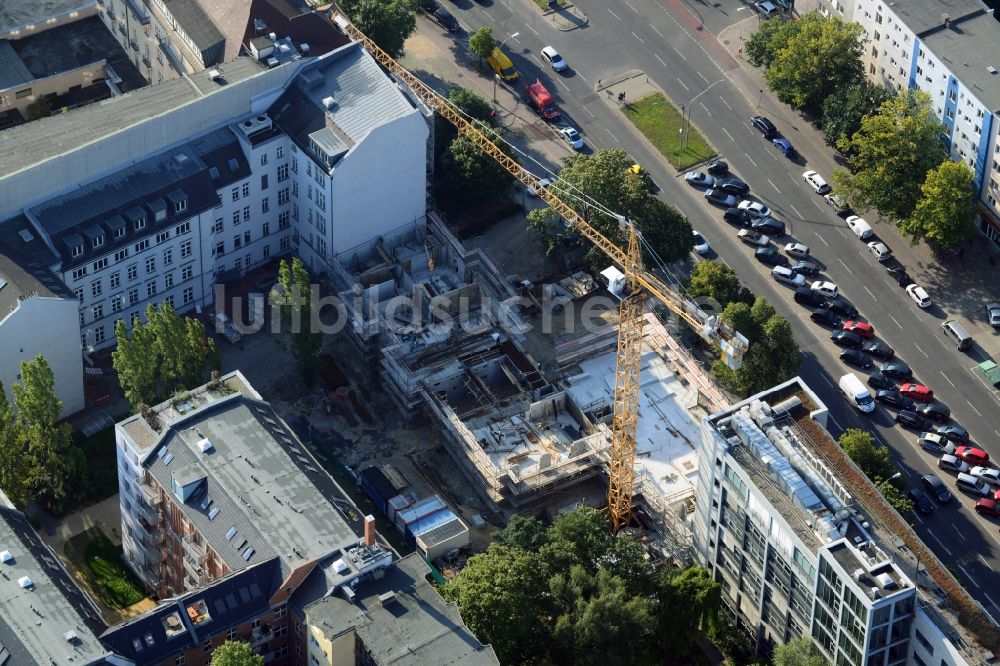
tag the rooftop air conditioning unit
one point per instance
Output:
(328, 102)
(272, 36)
(214, 74)
(304, 48)
(205, 446)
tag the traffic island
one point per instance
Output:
(665, 127)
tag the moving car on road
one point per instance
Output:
(551, 56)
(764, 126)
(921, 502)
(936, 488)
(572, 137)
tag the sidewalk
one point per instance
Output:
(961, 285)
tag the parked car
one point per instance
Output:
(753, 238)
(880, 251)
(972, 455)
(856, 358)
(700, 244)
(862, 329)
(953, 432)
(879, 350)
(770, 256)
(896, 370)
(699, 178)
(990, 475)
(988, 506)
(551, 56)
(910, 419)
(893, 399)
(754, 208)
(838, 202)
(816, 181)
(764, 126)
(717, 168)
(843, 308)
(786, 276)
(993, 314)
(917, 392)
(935, 411)
(785, 146)
(859, 227)
(951, 463)
(846, 339)
(720, 198)
(828, 289)
(542, 182)
(919, 296)
(824, 317)
(737, 216)
(900, 275)
(879, 381)
(921, 502)
(935, 443)
(572, 137)
(766, 9)
(733, 186)
(797, 250)
(936, 488)
(769, 226)
(807, 296)
(805, 268)
(444, 17)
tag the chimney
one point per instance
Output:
(946, 20)
(369, 530)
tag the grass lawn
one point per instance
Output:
(660, 122)
(100, 562)
(544, 4)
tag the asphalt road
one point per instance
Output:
(662, 38)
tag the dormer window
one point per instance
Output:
(140, 223)
(180, 206)
(77, 250)
(120, 232)
(178, 200)
(98, 240)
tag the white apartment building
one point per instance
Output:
(792, 550)
(158, 195)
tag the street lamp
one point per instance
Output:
(496, 77)
(686, 121)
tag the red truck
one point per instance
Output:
(542, 100)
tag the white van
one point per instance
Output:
(861, 229)
(857, 393)
(957, 332)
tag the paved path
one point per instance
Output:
(106, 514)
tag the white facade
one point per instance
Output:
(43, 326)
(158, 47)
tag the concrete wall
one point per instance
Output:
(57, 84)
(48, 327)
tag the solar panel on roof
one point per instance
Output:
(167, 458)
(231, 533)
(248, 554)
(234, 165)
(162, 452)
(213, 513)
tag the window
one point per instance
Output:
(246, 189)
(220, 248)
(133, 295)
(284, 244)
(83, 319)
(79, 294)
(99, 334)
(265, 205)
(178, 660)
(246, 214)
(282, 172)
(321, 199)
(266, 229)
(168, 280)
(116, 279)
(21, 94)
(238, 264)
(180, 206)
(309, 168)
(236, 218)
(185, 249)
(98, 311)
(263, 181)
(96, 288)
(79, 273)
(182, 228)
(231, 635)
(267, 251)
(280, 152)
(283, 220)
(98, 240)
(246, 237)
(100, 264)
(187, 272)
(139, 223)
(169, 300)
(219, 226)
(248, 259)
(142, 245)
(295, 164)
(151, 288)
(150, 264)
(162, 237)
(236, 193)
(120, 232)
(263, 159)
(295, 188)
(133, 271)
(237, 242)
(77, 250)
(188, 295)
(168, 257)
(309, 192)
(116, 303)
(121, 255)
(283, 197)
(924, 642)
(295, 211)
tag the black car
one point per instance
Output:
(856, 358)
(764, 126)
(843, 308)
(733, 186)
(807, 296)
(921, 502)
(805, 268)
(879, 381)
(879, 349)
(428, 6)
(936, 489)
(720, 198)
(846, 339)
(893, 398)
(900, 275)
(935, 411)
(737, 216)
(717, 168)
(910, 419)
(770, 256)
(445, 18)
(825, 317)
(769, 226)
(896, 370)
(955, 433)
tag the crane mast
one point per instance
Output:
(637, 281)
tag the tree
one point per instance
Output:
(40, 108)
(134, 359)
(844, 110)
(772, 357)
(13, 481)
(482, 43)
(468, 103)
(763, 44)
(872, 458)
(387, 22)
(35, 396)
(894, 495)
(891, 155)
(800, 652)
(607, 179)
(689, 603)
(293, 293)
(236, 653)
(733, 642)
(470, 175)
(946, 212)
(813, 59)
(525, 532)
(715, 280)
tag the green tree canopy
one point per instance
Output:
(35, 396)
(606, 178)
(470, 175)
(525, 532)
(764, 43)
(772, 357)
(469, 103)
(891, 155)
(387, 22)
(482, 42)
(892, 491)
(800, 652)
(236, 653)
(701, 598)
(872, 458)
(13, 480)
(946, 212)
(845, 108)
(715, 280)
(294, 296)
(40, 108)
(814, 57)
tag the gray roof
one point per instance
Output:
(17, 13)
(12, 70)
(21, 272)
(35, 621)
(923, 15)
(67, 47)
(416, 627)
(191, 16)
(264, 482)
(969, 48)
(230, 17)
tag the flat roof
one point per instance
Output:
(923, 15)
(401, 619)
(192, 17)
(970, 48)
(869, 568)
(67, 47)
(19, 13)
(12, 69)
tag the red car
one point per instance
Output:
(860, 328)
(917, 392)
(972, 455)
(988, 507)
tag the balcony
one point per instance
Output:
(260, 635)
(194, 551)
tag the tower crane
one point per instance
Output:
(637, 282)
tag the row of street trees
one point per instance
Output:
(892, 141)
(874, 460)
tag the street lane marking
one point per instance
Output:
(536, 59)
(679, 53)
(683, 84)
(895, 322)
(564, 86)
(723, 99)
(489, 16)
(750, 158)
(729, 135)
(657, 56)
(842, 232)
(840, 428)
(919, 519)
(657, 31)
(795, 209)
(528, 26)
(991, 569)
(631, 7)
(967, 574)
(994, 604)
(612, 135)
(827, 380)
(822, 239)
(588, 111)
(871, 294)
(707, 111)
(946, 377)
(843, 264)
(770, 181)
(703, 77)
(515, 39)
(973, 408)
(612, 13)
(959, 532)
(638, 37)
(582, 77)
(920, 350)
(940, 542)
